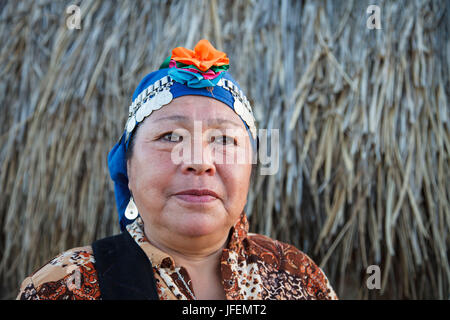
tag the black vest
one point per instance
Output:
(124, 271)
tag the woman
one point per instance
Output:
(180, 192)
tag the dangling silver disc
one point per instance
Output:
(162, 98)
(131, 124)
(140, 114)
(148, 108)
(131, 212)
(157, 101)
(238, 107)
(166, 97)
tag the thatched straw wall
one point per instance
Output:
(363, 118)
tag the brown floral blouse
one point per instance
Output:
(253, 266)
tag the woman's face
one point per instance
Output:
(193, 143)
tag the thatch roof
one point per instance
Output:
(363, 118)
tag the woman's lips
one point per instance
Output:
(195, 199)
(197, 195)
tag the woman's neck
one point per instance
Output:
(203, 266)
(192, 249)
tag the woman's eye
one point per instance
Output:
(224, 140)
(172, 137)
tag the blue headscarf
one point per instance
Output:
(181, 86)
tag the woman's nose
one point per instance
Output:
(201, 160)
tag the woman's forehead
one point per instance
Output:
(197, 108)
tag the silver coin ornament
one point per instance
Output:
(243, 112)
(166, 96)
(238, 106)
(148, 107)
(240, 109)
(131, 124)
(162, 98)
(140, 113)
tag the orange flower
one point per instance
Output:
(203, 57)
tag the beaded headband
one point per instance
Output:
(158, 94)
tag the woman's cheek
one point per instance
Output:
(155, 170)
(236, 189)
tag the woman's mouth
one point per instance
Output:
(197, 195)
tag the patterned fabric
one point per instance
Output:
(69, 276)
(253, 266)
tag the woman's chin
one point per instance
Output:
(195, 219)
(197, 224)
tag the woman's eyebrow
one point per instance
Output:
(214, 121)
